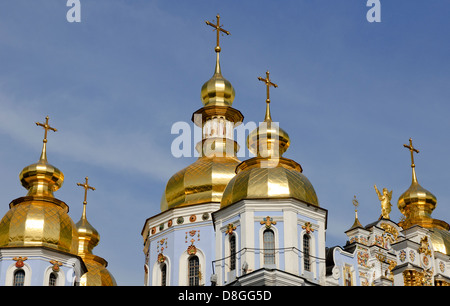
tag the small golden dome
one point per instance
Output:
(41, 178)
(217, 90)
(269, 175)
(416, 201)
(201, 182)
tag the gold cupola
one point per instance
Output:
(205, 180)
(416, 204)
(88, 238)
(39, 219)
(269, 175)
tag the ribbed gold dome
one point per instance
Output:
(201, 182)
(39, 219)
(417, 202)
(258, 179)
(217, 90)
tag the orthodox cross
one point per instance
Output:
(46, 127)
(86, 187)
(268, 84)
(218, 28)
(412, 150)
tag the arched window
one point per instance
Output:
(306, 252)
(163, 274)
(52, 279)
(194, 271)
(269, 247)
(19, 277)
(232, 252)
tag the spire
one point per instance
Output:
(356, 204)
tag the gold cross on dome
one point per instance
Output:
(218, 28)
(268, 83)
(86, 187)
(412, 150)
(46, 127)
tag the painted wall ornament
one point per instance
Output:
(308, 227)
(56, 264)
(268, 221)
(230, 228)
(20, 261)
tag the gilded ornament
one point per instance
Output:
(192, 218)
(424, 246)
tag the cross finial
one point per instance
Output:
(86, 188)
(412, 150)
(218, 28)
(268, 83)
(355, 202)
(413, 166)
(46, 127)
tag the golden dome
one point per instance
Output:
(416, 204)
(256, 179)
(97, 274)
(268, 175)
(39, 219)
(88, 239)
(217, 90)
(201, 182)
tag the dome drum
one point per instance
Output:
(203, 114)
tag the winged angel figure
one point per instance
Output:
(385, 199)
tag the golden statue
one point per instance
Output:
(385, 199)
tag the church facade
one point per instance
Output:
(226, 222)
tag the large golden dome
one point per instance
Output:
(201, 182)
(39, 221)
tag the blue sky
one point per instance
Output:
(350, 94)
